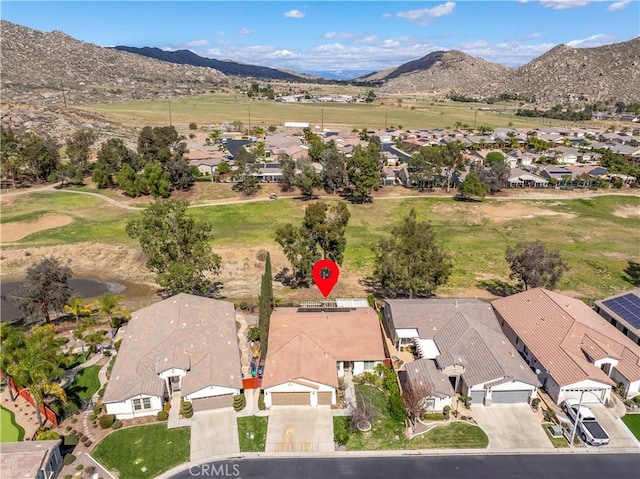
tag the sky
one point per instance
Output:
(338, 38)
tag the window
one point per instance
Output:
(139, 404)
(368, 365)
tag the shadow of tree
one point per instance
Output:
(499, 287)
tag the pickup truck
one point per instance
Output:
(590, 431)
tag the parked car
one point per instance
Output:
(590, 431)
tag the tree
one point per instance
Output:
(76, 307)
(494, 157)
(177, 247)
(246, 165)
(422, 167)
(265, 305)
(131, 183)
(108, 306)
(45, 289)
(102, 176)
(472, 186)
(160, 144)
(632, 271)
(288, 168)
(411, 262)
(415, 401)
(321, 235)
(496, 176)
(10, 161)
(36, 365)
(157, 180)
(114, 153)
(39, 156)
(12, 340)
(78, 149)
(180, 174)
(452, 160)
(308, 180)
(363, 171)
(334, 174)
(534, 265)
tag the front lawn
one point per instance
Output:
(85, 384)
(385, 433)
(633, 423)
(457, 435)
(252, 432)
(144, 451)
(556, 441)
(10, 431)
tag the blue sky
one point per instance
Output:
(338, 36)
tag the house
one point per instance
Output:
(183, 345)
(311, 347)
(623, 312)
(461, 349)
(523, 179)
(30, 459)
(572, 348)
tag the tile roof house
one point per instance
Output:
(461, 349)
(570, 346)
(184, 344)
(623, 312)
(30, 459)
(309, 349)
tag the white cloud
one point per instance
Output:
(390, 44)
(367, 39)
(615, 6)
(563, 4)
(387, 15)
(294, 14)
(341, 35)
(423, 16)
(197, 43)
(592, 41)
(532, 35)
(221, 33)
(245, 31)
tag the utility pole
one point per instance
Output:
(64, 96)
(249, 118)
(386, 117)
(322, 120)
(170, 122)
(475, 118)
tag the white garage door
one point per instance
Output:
(510, 397)
(592, 396)
(477, 397)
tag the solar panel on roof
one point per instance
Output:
(627, 307)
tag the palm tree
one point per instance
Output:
(108, 306)
(12, 340)
(36, 366)
(77, 308)
(87, 324)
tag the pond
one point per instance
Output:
(88, 288)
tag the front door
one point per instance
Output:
(174, 381)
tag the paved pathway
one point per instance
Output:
(174, 413)
(245, 354)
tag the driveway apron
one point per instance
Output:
(510, 426)
(300, 429)
(214, 433)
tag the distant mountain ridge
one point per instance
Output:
(228, 67)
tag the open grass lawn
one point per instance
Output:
(386, 433)
(252, 432)
(633, 423)
(595, 242)
(457, 435)
(406, 111)
(556, 441)
(143, 451)
(10, 431)
(85, 384)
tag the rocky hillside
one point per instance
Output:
(53, 68)
(444, 72)
(610, 72)
(228, 67)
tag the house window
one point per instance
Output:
(139, 404)
(368, 365)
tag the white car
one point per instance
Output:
(590, 431)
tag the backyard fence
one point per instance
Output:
(46, 413)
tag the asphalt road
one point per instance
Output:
(556, 466)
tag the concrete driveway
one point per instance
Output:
(511, 426)
(619, 434)
(300, 429)
(214, 433)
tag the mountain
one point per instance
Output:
(54, 68)
(228, 67)
(606, 73)
(444, 71)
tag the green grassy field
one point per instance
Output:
(391, 111)
(596, 243)
(9, 430)
(633, 423)
(256, 426)
(85, 384)
(457, 435)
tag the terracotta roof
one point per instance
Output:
(307, 345)
(184, 331)
(557, 329)
(466, 332)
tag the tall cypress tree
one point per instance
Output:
(265, 305)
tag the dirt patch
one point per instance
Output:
(478, 213)
(627, 212)
(10, 232)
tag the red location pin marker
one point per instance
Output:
(325, 274)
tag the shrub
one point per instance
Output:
(446, 412)
(71, 440)
(74, 419)
(117, 424)
(341, 433)
(550, 416)
(117, 344)
(68, 459)
(396, 407)
(163, 416)
(254, 333)
(97, 410)
(535, 403)
(79, 467)
(239, 402)
(101, 392)
(262, 255)
(261, 404)
(47, 436)
(193, 125)
(68, 476)
(186, 409)
(107, 420)
(92, 417)
(87, 443)
(90, 470)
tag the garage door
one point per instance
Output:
(324, 398)
(477, 397)
(510, 397)
(213, 402)
(290, 399)
(593, 396)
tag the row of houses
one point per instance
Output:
(499, 352)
